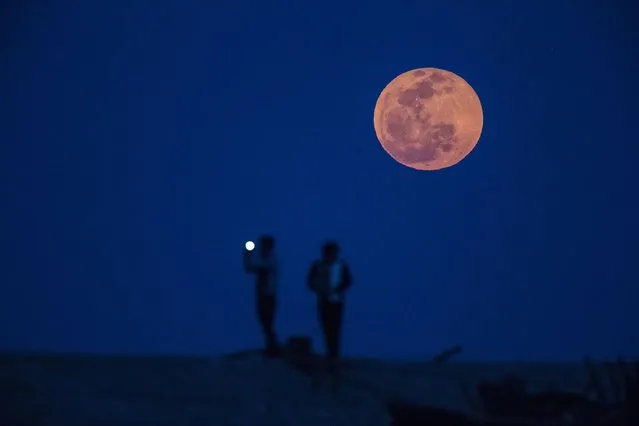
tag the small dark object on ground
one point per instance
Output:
(446, 355)
(272, 351)
(299, 345)
(298, 352)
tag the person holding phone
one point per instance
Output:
(262, 262)
(329, 278)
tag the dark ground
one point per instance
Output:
(39, 390)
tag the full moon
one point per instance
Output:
(428, 119)
(250, 245)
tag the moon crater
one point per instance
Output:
(428, 119)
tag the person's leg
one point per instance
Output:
(323, 309)
(331, 331)
(337, 316)
(266, 316)
(334, 331)
(269, 320)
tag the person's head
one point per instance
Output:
(267, 244)
(330, 251)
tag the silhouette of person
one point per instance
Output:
(329, 277)
(262, 262)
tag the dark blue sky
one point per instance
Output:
(142, 142)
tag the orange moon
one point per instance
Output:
(428, 119)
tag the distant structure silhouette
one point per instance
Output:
(263, 263)
(329, 277)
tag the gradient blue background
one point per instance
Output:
(142, 142)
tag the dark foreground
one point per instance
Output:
(242, 391)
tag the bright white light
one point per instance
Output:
(250, 245)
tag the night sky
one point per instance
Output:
(143, 142)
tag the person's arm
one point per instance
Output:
(253, 266)
(247, 262)
(347, 279)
